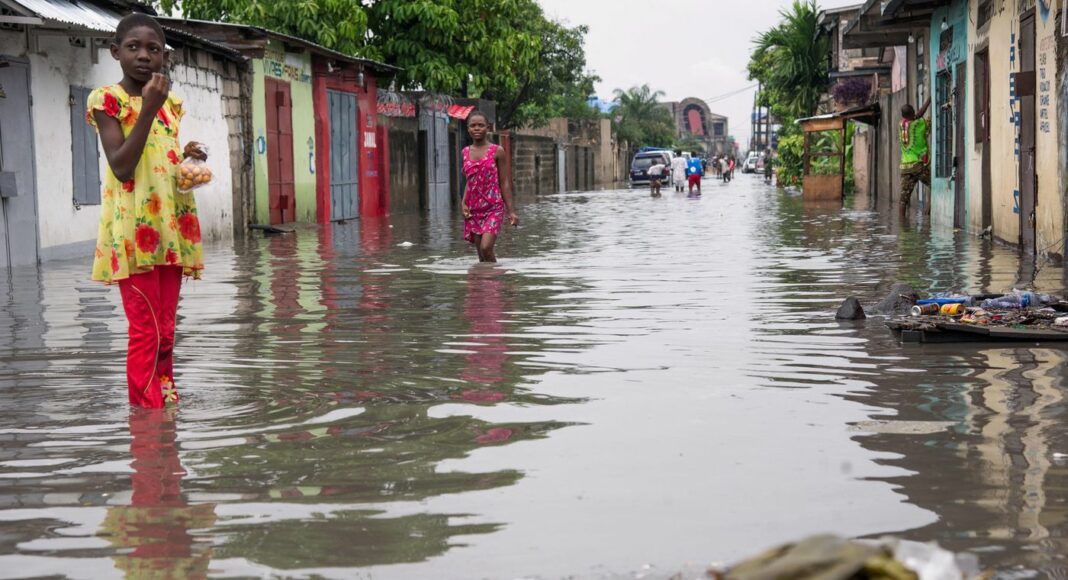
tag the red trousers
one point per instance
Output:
(151, 304)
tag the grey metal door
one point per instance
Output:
(18, 191)
(561, 169)
(344, 156)
(436, 125)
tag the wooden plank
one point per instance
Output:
(821, 188)
(833, 124)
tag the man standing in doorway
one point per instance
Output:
(915, 161)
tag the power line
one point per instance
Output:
(730, 94)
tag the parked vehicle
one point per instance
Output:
(643, 160)
(750, 164)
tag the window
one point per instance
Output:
(717, 129)
(986, 10)
(944, 129)
(84, 150)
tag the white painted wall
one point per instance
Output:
(53, 69)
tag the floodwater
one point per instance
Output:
(641, 386)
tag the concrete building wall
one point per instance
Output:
(404, 160)
(1004, 31)
(69, 231)
(1049, 213)
(978, 41)
(533, 165)
(295, 69)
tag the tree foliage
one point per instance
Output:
(790, 61)
(502, 50)
(640, 118)
(340, 25)
(557, 86)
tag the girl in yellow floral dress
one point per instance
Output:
(149, 234)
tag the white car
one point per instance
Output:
(750, 165)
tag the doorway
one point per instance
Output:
(1025, 92)
(281, 193)
(960, 178)
(344, 156)
(982, 133)
(18, 191)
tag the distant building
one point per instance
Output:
(694, 118)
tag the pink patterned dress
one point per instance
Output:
(483, 196)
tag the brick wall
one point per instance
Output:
(533, 165)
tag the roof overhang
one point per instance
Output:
(885, 23)
(252, 41)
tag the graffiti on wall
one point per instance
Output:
(1046, 56)
(1014, 116)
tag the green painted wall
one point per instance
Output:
(295, 69)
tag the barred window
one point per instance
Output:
(944, 128)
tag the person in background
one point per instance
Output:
(656, 172)
(678, 172)
(724, 167)
(767, 166)
(695, 171)
(915, 162)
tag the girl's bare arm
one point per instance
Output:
(124, 153)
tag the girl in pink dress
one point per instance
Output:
(488, 196)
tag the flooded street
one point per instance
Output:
(639, 386)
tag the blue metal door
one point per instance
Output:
(344, 156)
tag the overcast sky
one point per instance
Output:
(697, 48)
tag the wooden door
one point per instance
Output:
(281, 191)
(960, 179)
(1025, 91)
(344, 156)
(982, 132)
(18, 191)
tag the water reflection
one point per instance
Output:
(155, 535)
(362, 399)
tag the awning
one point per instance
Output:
(867, 114)
(460, 111)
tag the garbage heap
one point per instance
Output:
(1019, 308)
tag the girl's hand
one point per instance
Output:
(513, 218)
(155, 93)
(196, 151)
(466, 210)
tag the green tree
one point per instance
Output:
(640, 118)
(340, 25)
(557, 86)
(790, 61)
(451, 46)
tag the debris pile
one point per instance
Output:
(1017, 315)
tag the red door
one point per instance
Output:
(280, 189)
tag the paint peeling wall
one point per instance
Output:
(66, 230)
(944, 59)
(978, 40)
(1004, 34)
(1049, 213)
(1003, 29)
(295, 69)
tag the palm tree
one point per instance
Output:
(640, 119)
(790, 60)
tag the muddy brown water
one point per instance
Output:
(640, 386)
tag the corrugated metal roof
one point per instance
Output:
(73, 13)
